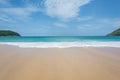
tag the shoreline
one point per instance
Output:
(63, 44)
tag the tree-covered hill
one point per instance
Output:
(115, 33)
(8, 33)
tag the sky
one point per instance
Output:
(60, 17)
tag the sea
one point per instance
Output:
(61, 41)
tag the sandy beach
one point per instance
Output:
(59, 64)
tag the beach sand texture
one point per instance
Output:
(59, 64)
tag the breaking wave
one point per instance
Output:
(61, 44)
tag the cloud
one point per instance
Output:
(89, 27)
(4, 2)
(117, 24)
(19, 11)
(114, 22)
(16, 13)
(5, 18)
(86, 18)
(60, 25)
(64, 9)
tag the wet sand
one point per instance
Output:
(59, 64)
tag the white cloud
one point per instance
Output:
(64, 9)
(115, 22)
(4, 2)
(17, 13)
(86, 18)
(60, 25)
(5, 18)
(88, 27)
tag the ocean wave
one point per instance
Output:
(61, 44)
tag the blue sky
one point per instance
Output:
(60, 17)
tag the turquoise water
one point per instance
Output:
(60, 39)
(61, 42)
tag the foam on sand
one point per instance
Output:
(61, 44)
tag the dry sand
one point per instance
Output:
(59, 64)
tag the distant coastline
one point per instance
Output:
(5, 33)
(115, 33)
(8, 33)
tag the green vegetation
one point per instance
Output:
(115, 33)
(8, 33)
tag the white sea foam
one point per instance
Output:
(61, 44)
